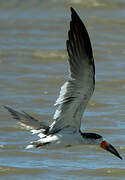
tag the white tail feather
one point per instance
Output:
(30, 146)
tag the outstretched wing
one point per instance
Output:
(27, 120)
(76, 92)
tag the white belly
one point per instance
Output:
(61, 140)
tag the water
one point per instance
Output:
(33, 66)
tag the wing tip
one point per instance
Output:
(74, 14)
(6, 107)
(72, 10)
(9, 109)
(76, 24)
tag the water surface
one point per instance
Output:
(33, 66)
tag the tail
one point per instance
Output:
(36, 144)
(27, 120)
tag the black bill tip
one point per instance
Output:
(112, 150)
(108, 147)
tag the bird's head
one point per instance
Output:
(94, 138)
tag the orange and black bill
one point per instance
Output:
(108, 147)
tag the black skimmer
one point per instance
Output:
(73, 98)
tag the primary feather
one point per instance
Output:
(76, 92)
(28, 120)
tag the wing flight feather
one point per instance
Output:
(76, 92)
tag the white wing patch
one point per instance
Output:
(62, 94)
